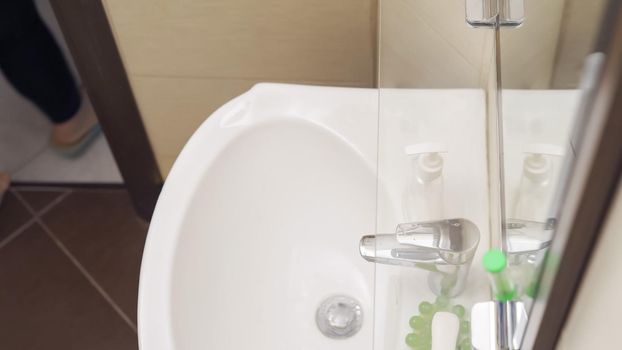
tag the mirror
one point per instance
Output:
(542, 66)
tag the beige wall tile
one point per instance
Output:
(186, 58)
(427, 43)
(447, 18)
(528, 52)
(580, 28)
(265, 40)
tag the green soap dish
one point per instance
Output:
(420, 337)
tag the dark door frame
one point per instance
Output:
(89, 36)
(594, 180)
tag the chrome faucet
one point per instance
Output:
(524, 238)
(444, 247)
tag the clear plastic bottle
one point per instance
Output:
(537, 185)
(423, 197)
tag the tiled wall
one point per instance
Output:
(186, 58)
(528, 53)
(549, 50)
(580, 28)
(426, 43)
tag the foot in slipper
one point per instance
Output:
(71, 138)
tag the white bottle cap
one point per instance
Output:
(537, 165)
(428, 163)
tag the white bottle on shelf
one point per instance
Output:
(423, 197)
(538, 182)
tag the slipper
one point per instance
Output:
(77, 148)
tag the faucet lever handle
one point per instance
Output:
(454, 240)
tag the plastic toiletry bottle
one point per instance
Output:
(537, 186)
(495, 264)
(423, 198)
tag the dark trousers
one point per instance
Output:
(32, 61)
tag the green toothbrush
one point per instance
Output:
(495, 264)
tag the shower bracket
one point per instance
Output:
(493, 13)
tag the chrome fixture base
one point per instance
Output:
(490, 13)
(498, 325)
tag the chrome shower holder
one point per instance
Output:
(493, 13)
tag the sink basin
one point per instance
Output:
(258, 223)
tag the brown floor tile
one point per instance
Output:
(47, 304)
(38, 199)
(102, 231)
(13, 214)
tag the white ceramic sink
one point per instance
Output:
(259, 221)
(260, 218)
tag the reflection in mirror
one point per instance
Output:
(541, 64)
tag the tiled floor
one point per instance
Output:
(69, 265)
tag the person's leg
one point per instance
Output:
(32, 61)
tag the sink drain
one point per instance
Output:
(339, 317)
